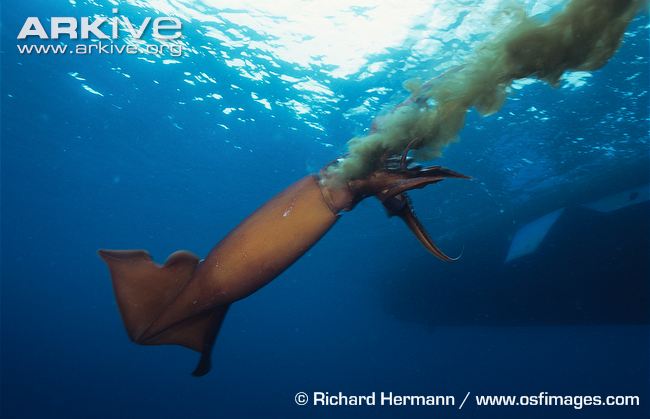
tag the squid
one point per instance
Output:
(185, 300)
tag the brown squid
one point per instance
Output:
(185, 300)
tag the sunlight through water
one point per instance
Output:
(318, 61)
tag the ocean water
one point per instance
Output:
(165, 152)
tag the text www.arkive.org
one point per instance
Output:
(100, 48)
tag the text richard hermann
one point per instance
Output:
(380, 399)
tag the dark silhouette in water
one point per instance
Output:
(598, 276)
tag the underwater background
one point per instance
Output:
(166, 152)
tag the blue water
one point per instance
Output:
(135, 160)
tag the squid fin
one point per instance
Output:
(144, 290)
